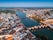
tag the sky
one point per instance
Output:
(26, 3)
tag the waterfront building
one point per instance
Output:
(11, 28)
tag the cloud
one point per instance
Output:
(27, 4)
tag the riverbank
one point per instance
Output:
(42, 31)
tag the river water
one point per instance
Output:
(29, 23)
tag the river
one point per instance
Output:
(29, 23)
